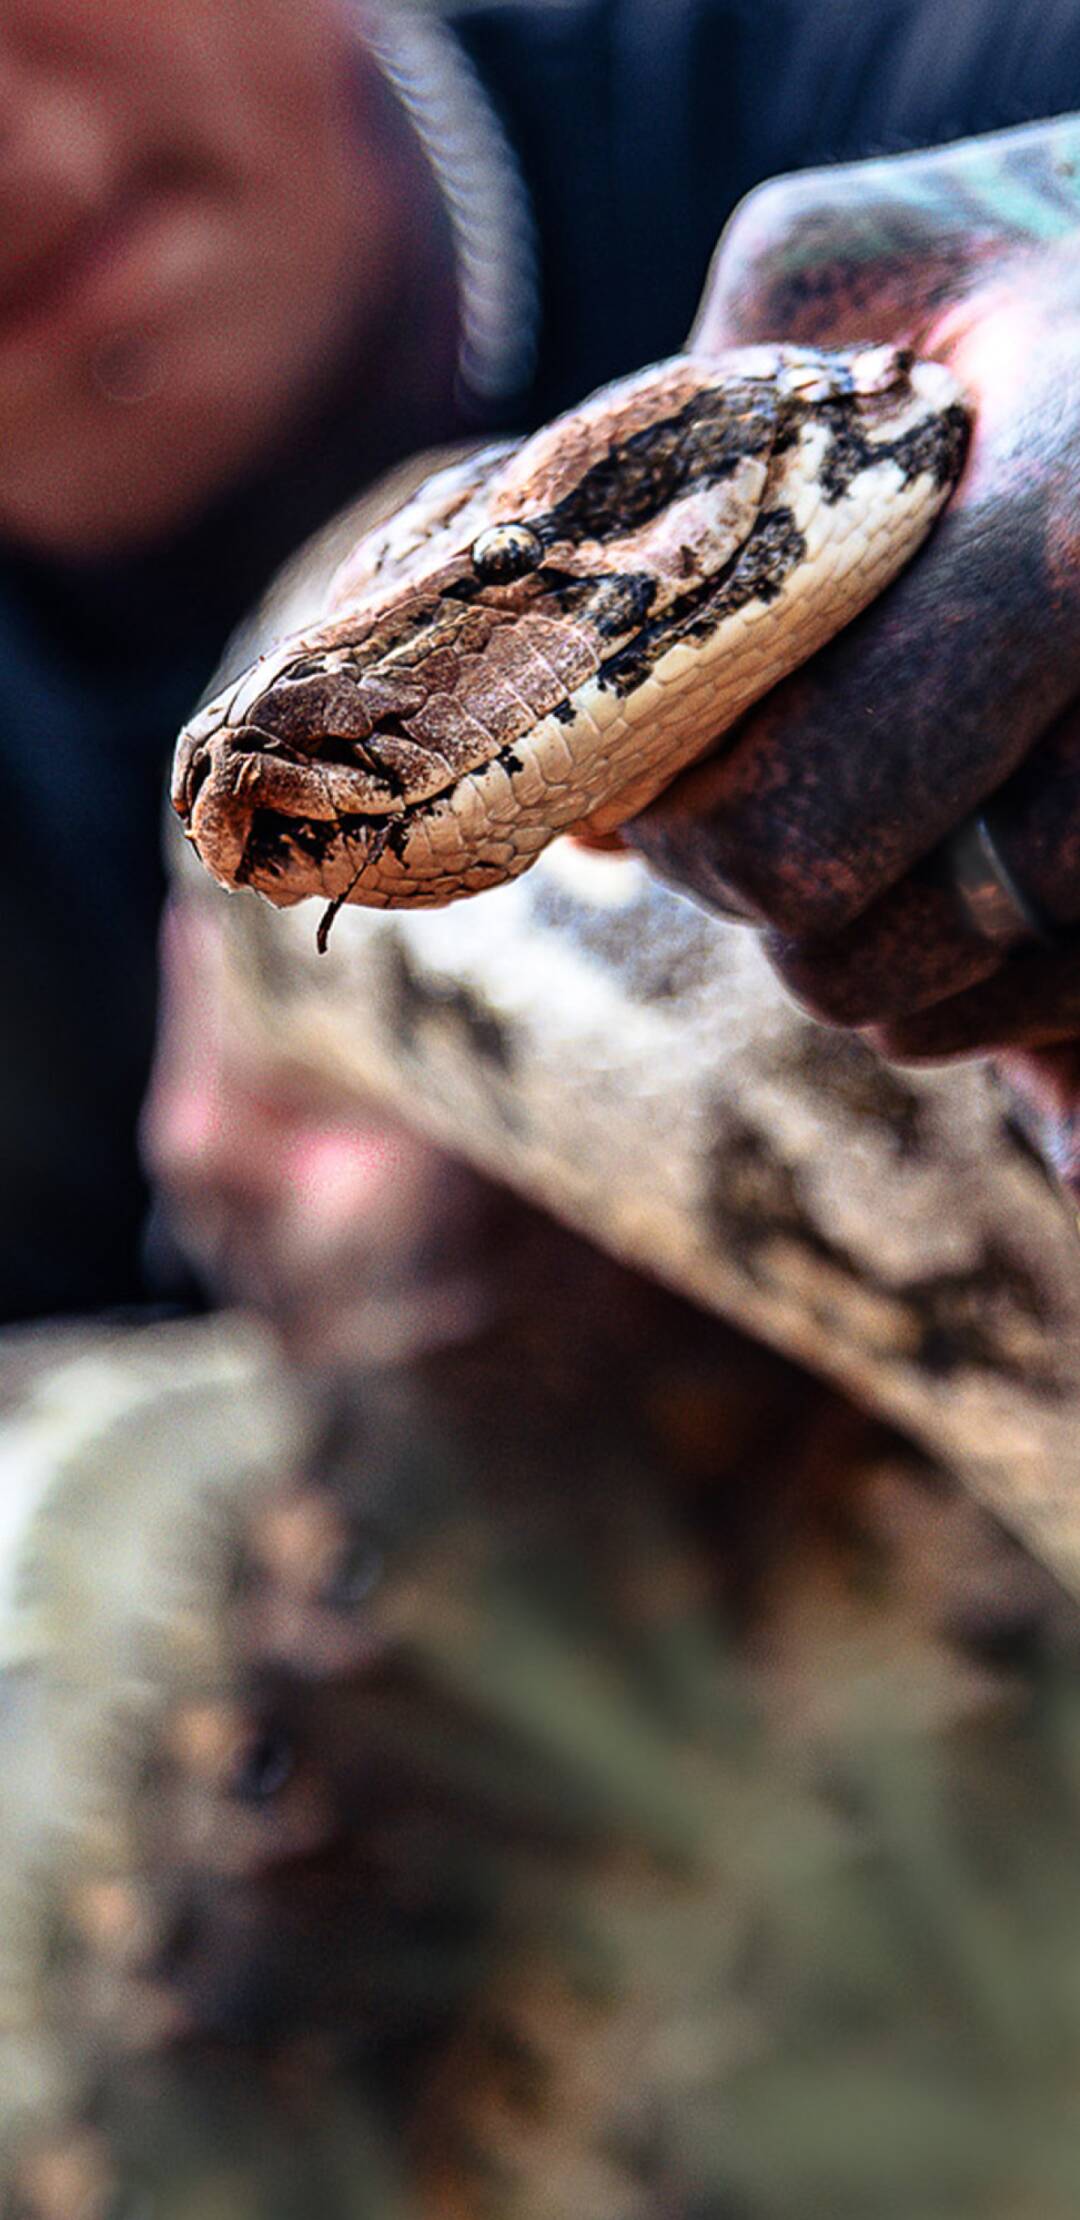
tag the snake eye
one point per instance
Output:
(506, 552)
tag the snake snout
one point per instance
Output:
(191, 769)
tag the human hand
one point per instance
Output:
(823, 817)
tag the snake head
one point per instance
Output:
(547, 635)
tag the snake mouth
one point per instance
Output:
(262, 816)
(297, 757)
(259, 815)
(276, 843)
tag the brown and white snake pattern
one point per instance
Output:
(546, 634)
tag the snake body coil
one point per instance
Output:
(544, 636)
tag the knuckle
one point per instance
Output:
(905, 1041)
(805, 896)
(752, 235)
(823, 986)
(764, 213)
(811, 204)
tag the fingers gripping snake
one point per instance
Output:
(546, 634)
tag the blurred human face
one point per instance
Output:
(191, 213)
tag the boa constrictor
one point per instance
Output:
(547, 634)
(583, 1033)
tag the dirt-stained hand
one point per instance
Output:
(823, 818)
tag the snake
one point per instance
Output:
(548, 632)
(586, 1035)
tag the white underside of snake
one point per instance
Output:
(546, 634)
